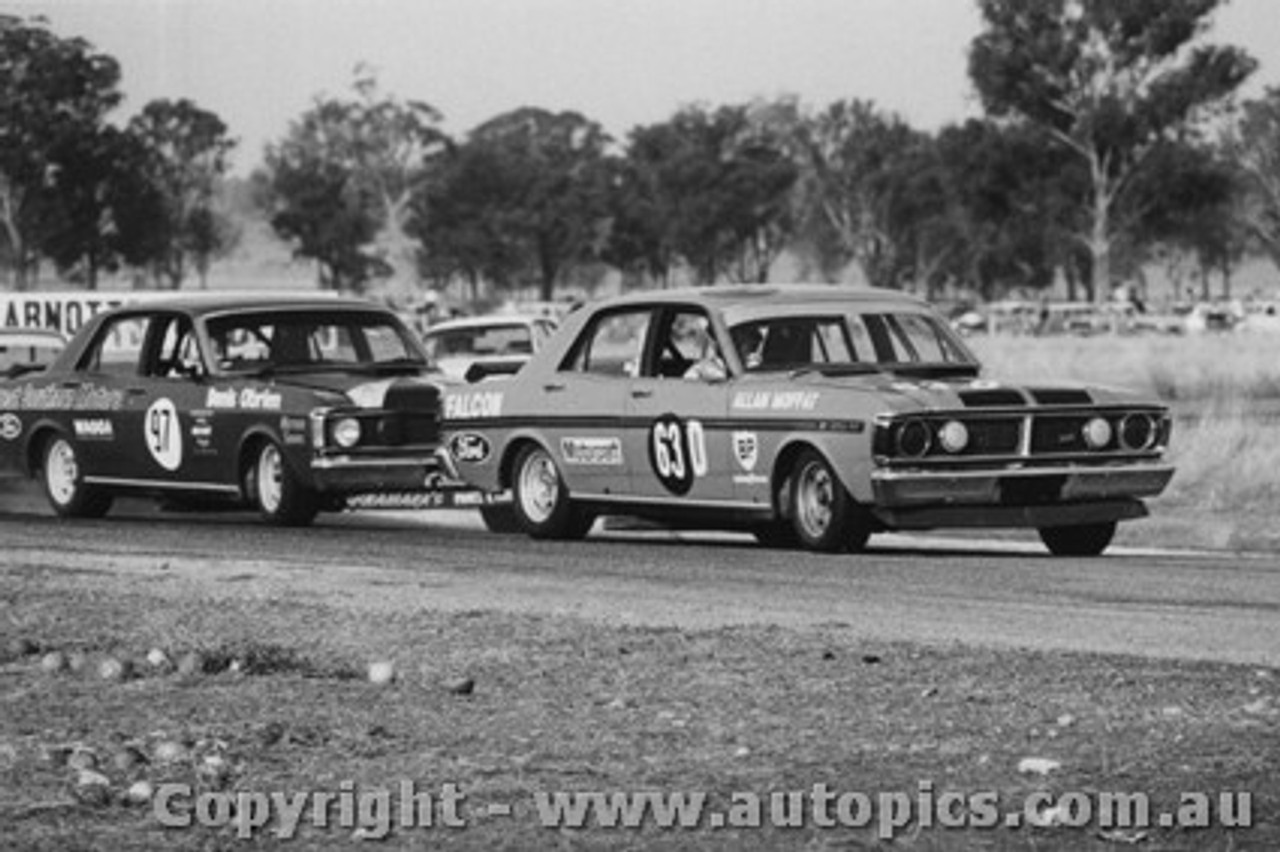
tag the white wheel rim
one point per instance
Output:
(539, 487)
(270, 479)
(61, 472)
(814, 496)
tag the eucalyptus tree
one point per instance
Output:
(54, 92)
(1107, 79)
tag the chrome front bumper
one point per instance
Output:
(350, 474)
(905, 489)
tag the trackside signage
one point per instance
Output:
(61, 312)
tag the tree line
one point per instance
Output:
(1107, 142)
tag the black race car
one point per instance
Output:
(290, 404)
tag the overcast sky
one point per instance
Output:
(259, 64)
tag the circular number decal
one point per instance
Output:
(677, 452)
(164, 438)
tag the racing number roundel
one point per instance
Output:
(677, 452)
(163, 436)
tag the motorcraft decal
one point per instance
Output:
(89, 397)
(473, 405)
(294, 430)
(591, 451)
(776, 400)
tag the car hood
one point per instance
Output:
(364, 391)
(906, 393)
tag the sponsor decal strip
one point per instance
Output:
(787, 424)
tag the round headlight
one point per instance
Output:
(1138, 431)
(346, 432)
(914, 438)
(1096, 433)
(953, 436)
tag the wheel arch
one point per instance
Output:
(507, 463)
(37, 442)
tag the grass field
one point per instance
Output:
(565, 705)
(1224, 391)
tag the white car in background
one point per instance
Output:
(28, 350)
(472, 348)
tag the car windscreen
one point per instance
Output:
(310, 340)
(853, 342)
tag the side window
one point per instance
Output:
(178, 355)
(117, 350)
(686, 340)
(612, 345)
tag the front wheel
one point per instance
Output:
(1081, 540)
(823, 515)
(541, 502)
(280, 498)
(64, 483)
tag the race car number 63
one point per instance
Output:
(164, 438)
(677, 452)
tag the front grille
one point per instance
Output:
(1058, 434)
(990, 437)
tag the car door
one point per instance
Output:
(584, 403)
(157, 433)
(677, 413)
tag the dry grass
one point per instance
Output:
(1225, 393)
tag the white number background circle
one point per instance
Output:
(163, 435)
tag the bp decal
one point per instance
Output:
(164, 438)
(677, 452)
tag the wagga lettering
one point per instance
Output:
(473, 406)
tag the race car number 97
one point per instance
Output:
(677, 452)
(164, 437)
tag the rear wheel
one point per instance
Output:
(64, 483)
(823, 515)
(1082, 540)
(281, 499)
(541, 502)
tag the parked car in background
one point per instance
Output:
(812, 416)
(292, 405)
(472, 348)
(24, 350)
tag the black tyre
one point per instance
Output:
(823, 515)
(541, 502)
(500, 518)
(64, 485)
(1082, 540)
(276, 492)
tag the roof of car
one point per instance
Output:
(724, 294)
(207, 303)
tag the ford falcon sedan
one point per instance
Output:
(812, 416)
(289, 404)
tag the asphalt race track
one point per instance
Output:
(1213, 606)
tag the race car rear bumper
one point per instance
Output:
(1033, 497)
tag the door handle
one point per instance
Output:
(135, 391)
(553, 387)
(641, 393)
